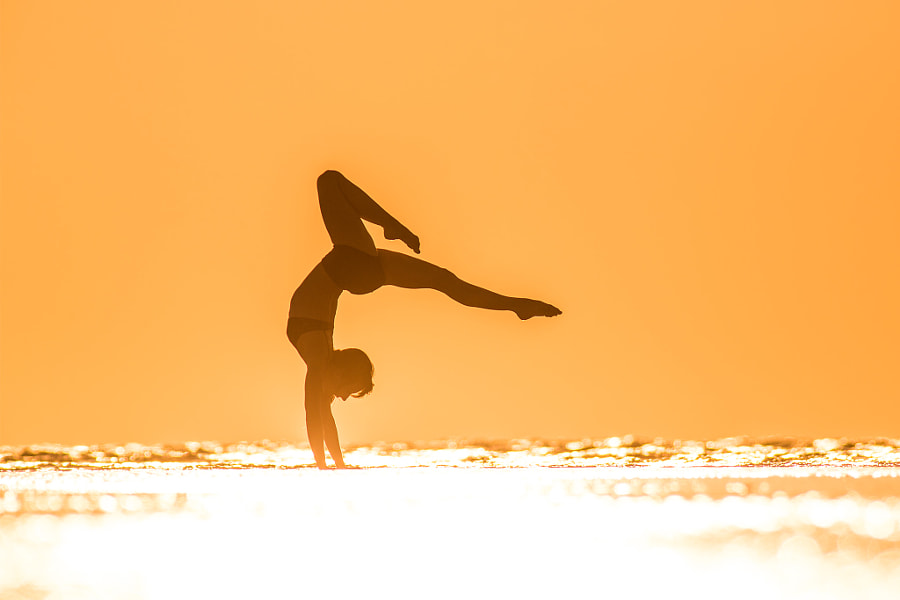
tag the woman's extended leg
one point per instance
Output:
(409, 272)
(344, 205)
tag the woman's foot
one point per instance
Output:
(528, 308)
(397, 231)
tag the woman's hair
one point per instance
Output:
(354, 365)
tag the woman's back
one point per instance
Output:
(316, 298)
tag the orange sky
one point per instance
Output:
(709, 190)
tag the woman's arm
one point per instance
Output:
(329, 430)
(315, 348)
(320, 426)
(314, 417)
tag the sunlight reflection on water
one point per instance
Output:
(742, 518)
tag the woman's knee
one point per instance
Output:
(442, 279)
(329, 177)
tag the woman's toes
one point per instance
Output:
(535, 308)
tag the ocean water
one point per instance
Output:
(733, 518)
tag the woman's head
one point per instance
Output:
(350, 373)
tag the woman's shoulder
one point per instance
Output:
(316, 348)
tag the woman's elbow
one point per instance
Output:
(313, 407)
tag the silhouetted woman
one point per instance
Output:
(357, 266)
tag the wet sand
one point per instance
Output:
(428, 521)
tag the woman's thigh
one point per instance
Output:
(406, 271)
(344, 225)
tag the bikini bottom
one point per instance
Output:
(353, 270)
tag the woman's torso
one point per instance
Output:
(344, 268)
(316, 298)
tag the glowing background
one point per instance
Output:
(707, 189)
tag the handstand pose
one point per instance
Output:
(357, 266)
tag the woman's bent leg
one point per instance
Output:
(342, 220)
(344, 206)
(406, 271)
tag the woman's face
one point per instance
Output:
(341, 386)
